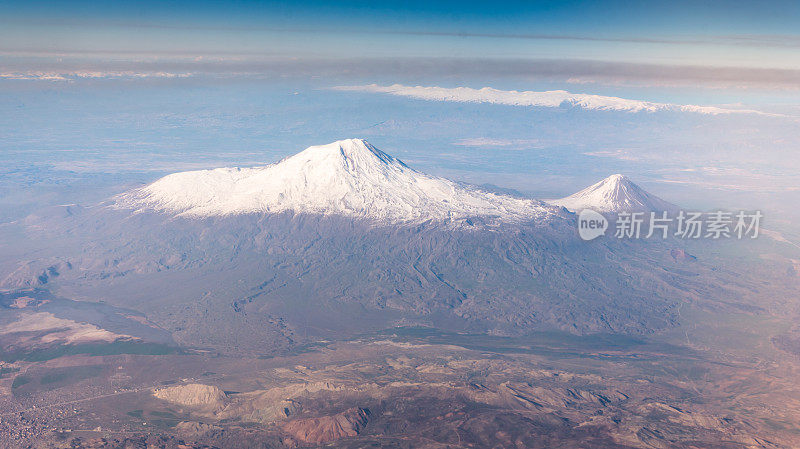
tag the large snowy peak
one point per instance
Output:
(616, 193)
(348, 177)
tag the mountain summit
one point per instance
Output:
(348, 177)
(616, 193)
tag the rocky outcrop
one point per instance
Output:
(274, 404)
(348, 423)
(522, 395)
(193, 395)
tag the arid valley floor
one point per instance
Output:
(414, 387)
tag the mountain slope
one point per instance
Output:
(615, 193)
(262, 259)
(348, 178)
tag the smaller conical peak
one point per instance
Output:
(615, 193)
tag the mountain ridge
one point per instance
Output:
(549, 99)
(347, 177)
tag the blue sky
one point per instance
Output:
(716, 33)
(95, 96)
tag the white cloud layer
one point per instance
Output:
(550, 99)
(73, 75)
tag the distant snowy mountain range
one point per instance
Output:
(550, 99)
(352, 178)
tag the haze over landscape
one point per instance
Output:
(357, 225)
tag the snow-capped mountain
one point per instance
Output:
(616, 193)
(547, 99)
(347, 178)
(250, 279)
